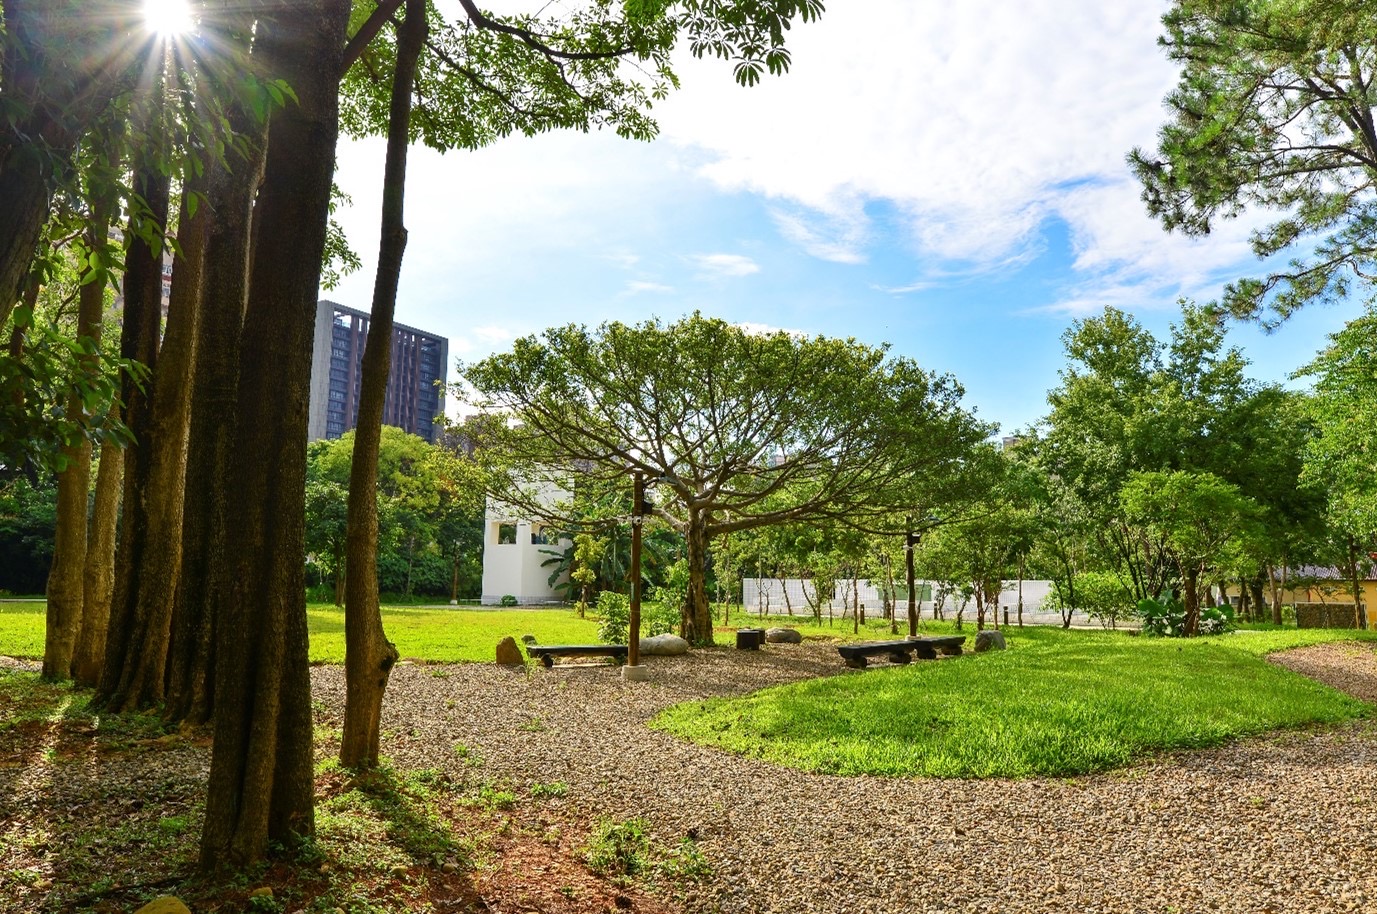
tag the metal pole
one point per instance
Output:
(633, 647)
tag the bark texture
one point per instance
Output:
(229, 202)
(66, 588)
(261, 786)
(143, 283)
(98, 576)
(157, 518)
(369, 656)
(697, 619)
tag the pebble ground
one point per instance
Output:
(1283, 823)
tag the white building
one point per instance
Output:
(514, 549)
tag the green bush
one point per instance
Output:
(507, 600)
(1100, 594)
(1167, 618)
(1162, 618)
(618, 848)
(615, 610)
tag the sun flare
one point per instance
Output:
(167, 17)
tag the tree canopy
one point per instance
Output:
(1273, 113)
(738, 429)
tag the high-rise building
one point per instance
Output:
(415, 384)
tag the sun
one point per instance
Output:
(167, 17)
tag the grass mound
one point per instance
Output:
(1055, 703)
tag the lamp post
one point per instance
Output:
(633, 671)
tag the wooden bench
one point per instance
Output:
(926, 648)
(546, 653)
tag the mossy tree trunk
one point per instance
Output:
(66, 590)
(98, 575)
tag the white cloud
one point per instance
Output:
(723, 266)
(755, 328)
(1126, 260)
(492, 334)
(639, 286)
(977, 122)
(839, 236)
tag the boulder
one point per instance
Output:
(989, 640)
(783, 636)
(508, 654)
(664, 645)
(167, 904)
(528, 639)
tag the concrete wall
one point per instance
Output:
(513, 553)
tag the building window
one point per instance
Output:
(538, 535)
(506, 534)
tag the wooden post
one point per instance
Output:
(911, 541)
(633, 627)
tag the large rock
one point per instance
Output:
(508, 654)
(168, 904)
(783, 636)
(989, 640)
(664, 645)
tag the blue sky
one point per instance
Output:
(951, 182)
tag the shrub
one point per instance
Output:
(618, 848)
(1167, 618)
(1100, 594)
(615, 610)
(507, 600)
(1162, 618)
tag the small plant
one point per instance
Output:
(1216, 620)
(264, 904)
(553, 789)
(507, 600)
(615, 610)
(685, 862)
(172, 825)
(496, 799)
(534, 725)
(618, 848)
(1162, 618)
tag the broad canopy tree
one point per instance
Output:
(736, 429)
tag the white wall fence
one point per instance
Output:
(780, 596)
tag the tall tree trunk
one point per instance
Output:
(143, 289)
(229, 201)
(1359, 615)
(1256, 587)
(1277, 586)
(1192, 601)
(66, 587)
(696, 625)
(156, 519)
(98, 576)
(260, 787)
(368, 655)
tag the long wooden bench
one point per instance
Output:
(855, 655)
(546, 653)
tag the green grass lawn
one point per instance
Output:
(1055, 703)
(439, 635)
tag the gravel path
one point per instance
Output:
(1278, 824)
